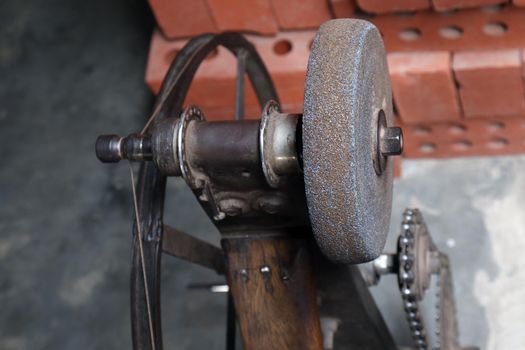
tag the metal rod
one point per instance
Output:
(239, 93)
(189, 248)
(144, 276)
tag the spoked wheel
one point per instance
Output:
(151, 184)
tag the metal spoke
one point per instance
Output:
(239, 93)
(142, 263)
(189, 248)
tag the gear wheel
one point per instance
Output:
(447, 323)
(419, 259)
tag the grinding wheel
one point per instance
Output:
(347, 95)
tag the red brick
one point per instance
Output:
(398, 166)
(423, 87)
(523, 64)
(181, 18)
(301, 14)
(385, 6)
(213, 88)
(470, 137)
(244, 15)
(446, 5)
(471, 29)
(519, 2)
(490, 83)
(342, 8)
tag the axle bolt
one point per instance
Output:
(107, 148)
(391, 141)
(113, 148)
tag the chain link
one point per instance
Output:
(415, 253)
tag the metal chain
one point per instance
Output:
(414, 242)
(407, 261)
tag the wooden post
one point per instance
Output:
(272, 283)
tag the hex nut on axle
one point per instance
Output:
(391, 141)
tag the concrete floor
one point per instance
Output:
(70, 70)
(474, 210)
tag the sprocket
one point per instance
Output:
(418, 259)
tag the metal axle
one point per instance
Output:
(178, 145)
